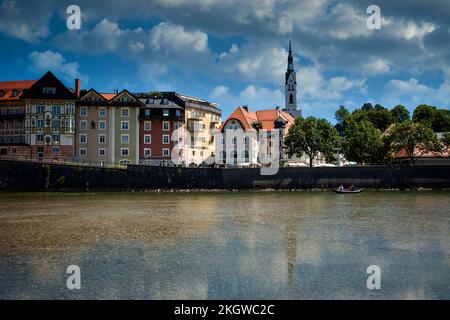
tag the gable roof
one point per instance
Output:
(8, 87)
(49, 80)
(267, 118)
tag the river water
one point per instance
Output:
(225, 245)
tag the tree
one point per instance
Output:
(446, 140)
(379, 116)
(437, 119)
(363, 143)
(341, 114)
(311, 136)
(415, 138)
(399, 114)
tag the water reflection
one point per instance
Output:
(225, 245)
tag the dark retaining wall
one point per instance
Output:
(26, 176)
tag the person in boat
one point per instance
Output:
(352, 187)
(341, 188)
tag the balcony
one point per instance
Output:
(12, 116)
(12, 140)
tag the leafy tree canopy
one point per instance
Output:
(311, 136)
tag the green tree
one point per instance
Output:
(363, 143)
(446, 140)
(341, 114)
(379, 116)
(399, 114)
(415, 138)
(437, 119)
(311, 136)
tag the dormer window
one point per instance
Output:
(15, 93)
(49, 90)
(2, 93)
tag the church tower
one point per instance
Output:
(290, 87)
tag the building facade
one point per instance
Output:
(108, 128)
(50, 119)
(248, 138)
(159, 124)
(202, 119)
(12, 120)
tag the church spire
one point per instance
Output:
(290, 59)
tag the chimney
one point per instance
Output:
(245, 107)
(77, 87)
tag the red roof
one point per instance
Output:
(8, 87)
(267, 118)
(108, 96)
(418, 154)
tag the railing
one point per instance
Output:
(72, 162)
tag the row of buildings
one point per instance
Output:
(46, 121)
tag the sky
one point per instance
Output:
(234, 52)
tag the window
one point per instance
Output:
(147, 125)
(125, 112)
(48, 90)
(2, 94)
(165, 101)
(124, 161)
(92, 124)
(40, 109)
(102, 138)
(40, 123)
(102, 125)
(166, 125)
(40, 137)
(147, 138)
(55, 138)
(165, 112)
(15, 93)
(82, 152)
(102, 112)
(83, 138)
(124, 139)
(124, 152)
(55, 149)
(177, 113)
(165, 139)
(291, 98)
(147, 112)
(101, 152)
(83, 124)
(83, 112)
(124, 125)
(55, 124)
(166, 152)
(56, 110)
(147, 152)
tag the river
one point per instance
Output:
(225, 245)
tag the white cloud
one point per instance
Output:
(55, 62)
(399, 91)
(377, 66)
(167, 35)
(14, 22)
(256, 97)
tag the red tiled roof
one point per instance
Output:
(9, 86)
(418, 154)
(108, 96)
(267, 118)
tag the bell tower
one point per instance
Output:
(290, 87)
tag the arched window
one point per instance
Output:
(291, 98)
(245, 155)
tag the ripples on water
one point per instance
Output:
(247, 245)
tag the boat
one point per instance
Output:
(346, 190)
